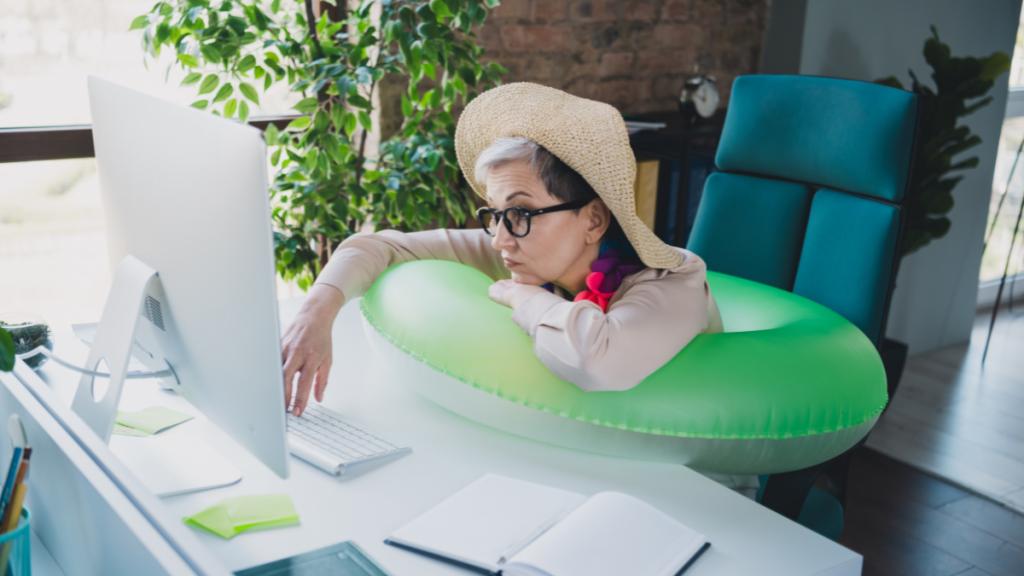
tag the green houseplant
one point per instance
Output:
(6, 351)
(930, 193)
(957, 80)
(327, 185)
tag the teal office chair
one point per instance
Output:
(813, 171)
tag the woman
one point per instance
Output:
(605, 302)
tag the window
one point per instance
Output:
(48, 49)
(53, 255)
(994, 262)
(53, 251)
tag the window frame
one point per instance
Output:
(66, 142)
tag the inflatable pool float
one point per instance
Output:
(789, 384)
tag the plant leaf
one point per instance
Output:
(358, 101)
(211, 53)
(338, 117)
(249, 92)
(299, 124)
(321, 120)
(306, 105)
(270, 134)
(192, 78)
(364, 120)
(994, 65)
(891, 81)
(209, 84)
(201, 104)
(230, 106)
(364, 75)
(247, 63)
(343, 85)
(222, 94)
(440, 8)
(139, 22)
(6, 351)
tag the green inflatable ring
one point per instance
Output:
(788, 385)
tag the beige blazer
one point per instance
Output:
(653, 315)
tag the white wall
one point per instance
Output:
(936, 292)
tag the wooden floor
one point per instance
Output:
(959, 422)
(907, 523)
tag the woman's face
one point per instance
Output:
(560, 246)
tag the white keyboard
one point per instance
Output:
(323, 439)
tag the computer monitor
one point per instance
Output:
(185, 192)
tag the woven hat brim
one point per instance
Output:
(589, 136)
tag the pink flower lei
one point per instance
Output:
(606, 274)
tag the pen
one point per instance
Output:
(18, 483)
(530, 536)
(9, 482)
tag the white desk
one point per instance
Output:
(449, 452)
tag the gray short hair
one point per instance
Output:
(561, 181)
(504, 151)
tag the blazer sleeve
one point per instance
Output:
(360, 259)
(653, 320)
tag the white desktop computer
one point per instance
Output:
(189, 231)
(187, 212)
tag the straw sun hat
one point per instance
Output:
(590, 137)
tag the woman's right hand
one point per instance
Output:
(306, 346)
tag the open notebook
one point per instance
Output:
(502, 525)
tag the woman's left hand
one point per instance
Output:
(511, 293)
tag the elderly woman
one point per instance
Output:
(605, 302)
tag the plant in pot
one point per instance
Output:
(21, 333)
(327, 184)
(959, 83)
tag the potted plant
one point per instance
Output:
(28, 331)
(959, 83)
(327, 184)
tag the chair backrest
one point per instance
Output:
(813, 171)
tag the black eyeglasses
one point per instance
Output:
(517, 220)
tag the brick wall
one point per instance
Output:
(634, 54)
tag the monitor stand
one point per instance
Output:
(167, 465)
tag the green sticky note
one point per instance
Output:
(123, 430)
(151, 420)
(231, 516)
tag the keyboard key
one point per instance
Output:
(337, 437)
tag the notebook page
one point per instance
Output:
(610, 535)
(480, 522)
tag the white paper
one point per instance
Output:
(610, 535)
(481, 521)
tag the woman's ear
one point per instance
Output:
(598, 218)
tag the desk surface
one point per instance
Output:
(449, 452)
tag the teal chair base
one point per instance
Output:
(821, 512)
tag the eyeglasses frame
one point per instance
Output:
(528, 214)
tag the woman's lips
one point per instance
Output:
(510, 263)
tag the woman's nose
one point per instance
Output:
(503, 239)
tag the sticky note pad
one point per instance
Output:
(149, 421)
(231, 516)
(126, 431)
